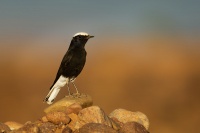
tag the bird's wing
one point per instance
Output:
(65, 62)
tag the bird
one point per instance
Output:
(71, 66)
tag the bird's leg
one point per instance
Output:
(75, 88)
(68, 89)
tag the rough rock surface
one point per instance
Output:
(83, 100)
(46, 127)
(74, 119)
(58, 118)
(74, 108)
(67, 130)
(4, 128)
(93, 114)
(133, 127)
(96, 128)
(125, 116)
(77, 117)
(13, 125)
(27, 128)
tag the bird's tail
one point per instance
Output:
(55, 89)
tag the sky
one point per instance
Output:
(122, 18)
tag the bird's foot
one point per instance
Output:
(69, 95)
(77, 95)
(74, 95)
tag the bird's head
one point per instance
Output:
(82, 36)
(80, 39)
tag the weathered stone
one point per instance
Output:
(74, 108)
(125, 116)
(13, 125)
(115, 125)
(96, 128)
(4, 128)
(60, 128)
(133, 127)
(46, 127)
(117, 121)
(58, 118)
(27, 128)
(44, 119)
(83, 100)
(93, 114)
(67, 130)
(74, 119)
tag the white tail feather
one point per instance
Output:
(53, 95)
(62, 81)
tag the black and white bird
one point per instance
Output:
(71, 66)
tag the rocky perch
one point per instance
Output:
(75, 114)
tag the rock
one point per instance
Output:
(46, 127)
(58, 118)
(115, 125)
(60, 128)
(74, 108)
(93, 114)
(44, 119)
(96, 128)
(4, 128)
(74, 119)
(117, 121)
(125, 116)
(83, 100)
(67, 130)
(27, 128)
(13, 125)
(133, 127)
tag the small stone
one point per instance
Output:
(44, 119)
(67, 130)
(83, 100)
(28, 122)
(125, 116)
(93, 114)
(74, 119)
(27, 128)
(58, 118)
(13, 125)
(74, 108)
(60, 128)
(115, 125)
(117, 121)
(96, 128)
(4, 128)
(133, 127)
(47, 127)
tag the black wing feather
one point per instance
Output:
(65, 62)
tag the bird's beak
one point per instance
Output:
(90, 37)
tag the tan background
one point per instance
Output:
(157, 76)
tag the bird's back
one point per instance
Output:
(75, 62)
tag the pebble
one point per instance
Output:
(93, 114)
(96, 128)
(133, 127)
(125, 116)
(83, 100)
(13, 125)
(58, 118)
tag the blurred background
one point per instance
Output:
(145, 57)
